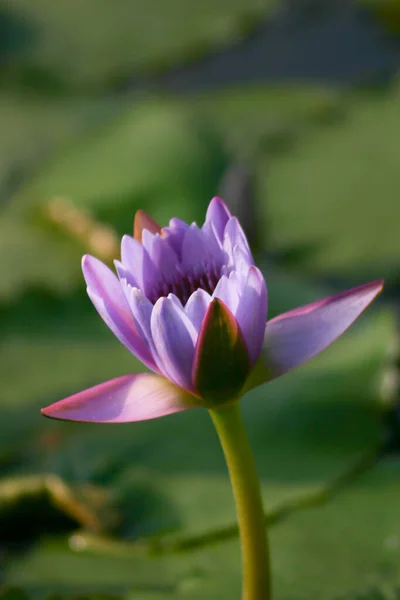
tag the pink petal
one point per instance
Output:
(123, 399)
(105, 291)
(296, 336)
(144, 221)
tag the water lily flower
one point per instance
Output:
(191, 305)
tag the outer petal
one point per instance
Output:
(128, 398)
(227, 290)
(219, 214)
(221, 363)
(106, 293)
(144, 221)
(296, 336)
(196, 307)
(174, 338)
(236, 245)
(251, 313)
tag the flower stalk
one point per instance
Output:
(246, 489)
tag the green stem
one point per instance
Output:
(246, 490)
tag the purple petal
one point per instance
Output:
(196, 307)
(195, 250)
(105, 291)
(174, 235)
(251, 313)
(218, 213)
(141, 309)
(298, 335)
(227, 290)
(136, 260)
(128, 398)
(174, 337)
(163, 257)
(236, 245)
(126, 274)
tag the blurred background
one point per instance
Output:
(290, 110)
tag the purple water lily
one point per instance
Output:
(191, 305)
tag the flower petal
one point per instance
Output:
(195, 250)
(105, 291)
(296, 336)
(136, 260)
(236, 245)
(219, 214)
(196, 307)
(162, 255)
(251, 313)
(144, 221)
(221, 364)
(227, 290)
(141, 309)
(174, 338)
(175, 233)
(128, 398)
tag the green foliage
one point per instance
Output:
(84, 44)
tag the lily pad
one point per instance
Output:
(94, 44)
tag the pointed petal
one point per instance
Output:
(195, 250)
(104, 290)
(136, 260)
(196, 307)
(128, 398)
(236, 245)
(221, 363)
(219, 214)
(162, 255)
(144, 221)
(141, 309)
(251, 313)
(227, 291)
(296, 336)
(174, 235)
(174, 337)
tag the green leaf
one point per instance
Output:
(62, 44)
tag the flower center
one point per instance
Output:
(183, 285)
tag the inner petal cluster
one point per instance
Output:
(166, 283)
(205, 277)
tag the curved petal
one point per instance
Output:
(196, 249)
(136, 260)
(162, 255)
(105, 291)
(174, 337)
(144, 221)
(227, 290)
(296, 336)
(221, 363)
(236, 245)
(251, 313)
(174, 234)
(196, 307)
(219, 214)
(128, 398)
(141, 309)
